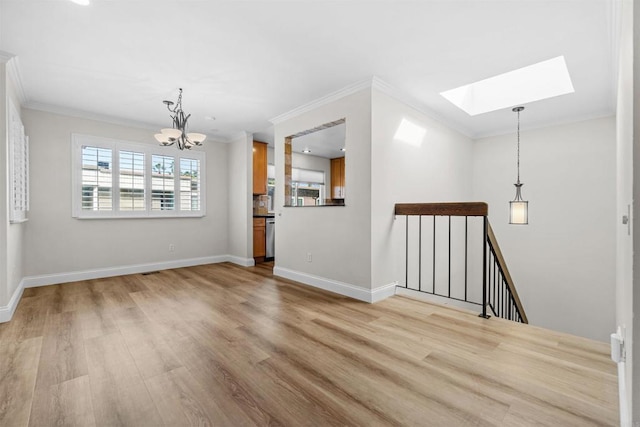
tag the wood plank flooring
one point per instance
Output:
(230, 346)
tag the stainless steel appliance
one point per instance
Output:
(271, 238)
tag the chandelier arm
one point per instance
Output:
(180, 120)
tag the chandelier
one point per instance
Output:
(518, 208)
(178, 133)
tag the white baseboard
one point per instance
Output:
(99, 273)
(245, 262)
(383, 292)
(356, 292)
(6, 311)
(423, 296)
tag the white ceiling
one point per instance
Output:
(322, 143)
(245, 62)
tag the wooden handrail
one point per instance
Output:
(443, 209)
(505, 272)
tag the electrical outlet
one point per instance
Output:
(309, 258)
(172, 247)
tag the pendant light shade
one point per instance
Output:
(518, 208)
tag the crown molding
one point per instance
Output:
(327, 99)
(547, 124)
(614, 15)
(70, 112)
(372, 83)
(5, 56)
(13, 71)
(410, 101)
(242, 135)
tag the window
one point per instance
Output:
(18, 167)
(119, 179)
(307, 187)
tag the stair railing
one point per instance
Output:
(498, 290)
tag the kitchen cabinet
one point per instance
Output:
(337, 178)
(259, 238)
(259, 168)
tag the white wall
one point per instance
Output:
(563, 262)
(4, 186)
(338, 237)
(438, 170)
(15, 232)
(624, 199)
(57, 243)
(240, 198)
(11, 235)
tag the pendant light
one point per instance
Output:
(518, 208)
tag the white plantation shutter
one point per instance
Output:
(120, 179)
(132, 181)
(97, 180)
(189, 184)
(163, 183)
(18, 167)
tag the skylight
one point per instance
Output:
(543, 80)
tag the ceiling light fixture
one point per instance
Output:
(306, 151)
(518, 208)
(81, 2)
(178, 134)
(343, 149)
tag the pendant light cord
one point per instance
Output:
(518, 146)
(517, 110)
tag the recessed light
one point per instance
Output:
(209, 118)
(306, 150)
(81, 2)
(535, 82)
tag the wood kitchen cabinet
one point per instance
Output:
(259, 168)
(337, 178)
(259, 238)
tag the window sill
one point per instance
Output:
(91, 217)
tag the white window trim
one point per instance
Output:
(80, 140)
(18, 167)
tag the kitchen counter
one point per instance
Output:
(264, 215)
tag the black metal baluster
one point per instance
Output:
(449, 274)
(434, 254)
(484, 268)
(420, 253)
(466, 222)
(406, 252)
(495, 290)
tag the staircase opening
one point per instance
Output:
(452, 252)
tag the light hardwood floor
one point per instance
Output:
(231, 346)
